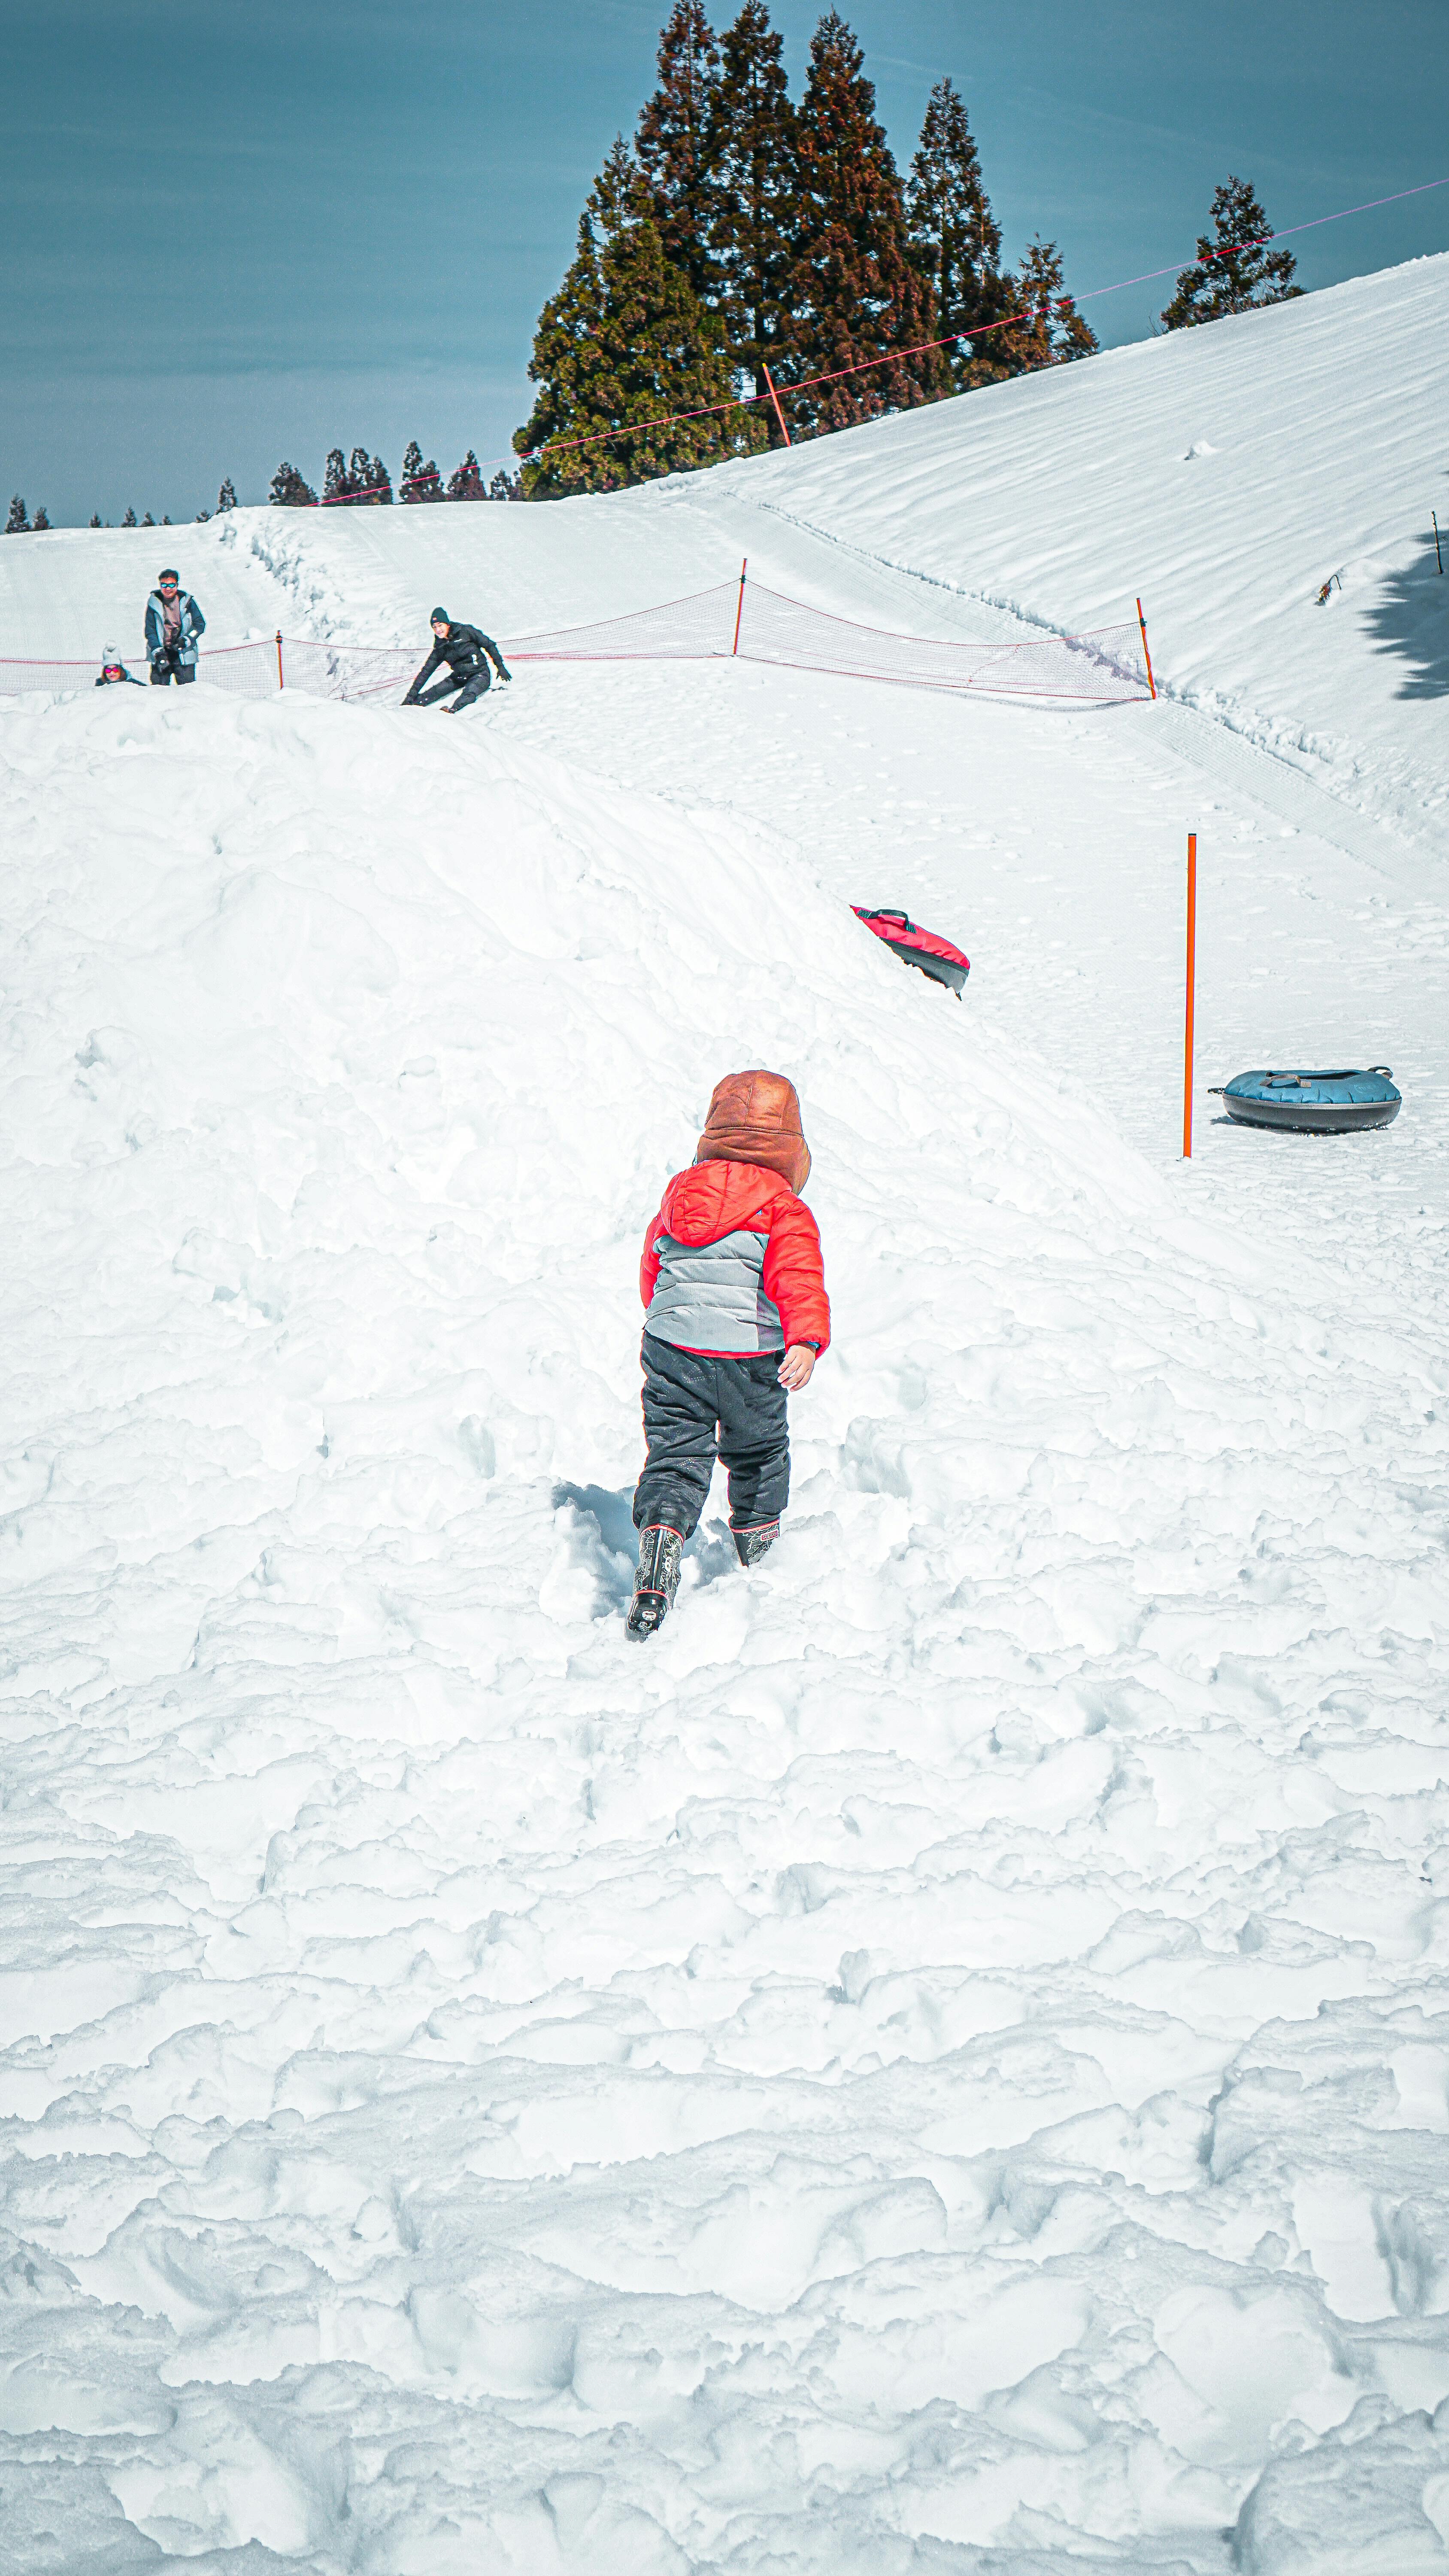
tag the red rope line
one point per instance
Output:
(897, 357)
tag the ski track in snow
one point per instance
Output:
(942, 2062)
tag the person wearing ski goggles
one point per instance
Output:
(174, 627)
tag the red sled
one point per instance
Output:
(916, 947)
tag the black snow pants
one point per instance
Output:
(696, 1408)
(171, 667)
(472, 684)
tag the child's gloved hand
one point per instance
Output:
(797, 1365)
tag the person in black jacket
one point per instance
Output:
(467, 652)
(114, 672)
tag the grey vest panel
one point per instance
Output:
(709, 1297)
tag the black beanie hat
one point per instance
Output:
(170, 574)
(440, 617)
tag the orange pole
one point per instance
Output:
(1191, 981)
(281, 683)
(739, 612)
(775, 399)
(1142, 622)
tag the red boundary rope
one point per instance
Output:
(794, 636)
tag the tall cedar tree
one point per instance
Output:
(752, 155)
(18, 523)
(465, 483)
(368, 477)
(129, 520)
(420, 482)
(290, 490)
(335, 485)
(1234, 272)
(956, 242)
(94, 520)
(1045, 329)
(40, 520)
(625, 340)
(675, 143)
(855, 292)
(226, 497)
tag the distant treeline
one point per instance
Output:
(363, 481)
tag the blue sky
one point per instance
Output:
(238, 230)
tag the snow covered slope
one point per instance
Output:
(1224, 474)
(943, 2060)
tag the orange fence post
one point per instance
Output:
(281, 683)
(775, 399)
(739, 612)
(1147, 658)
(1191, 982)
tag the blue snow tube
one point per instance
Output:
(1314, 1104)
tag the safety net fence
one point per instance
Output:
(733, 620)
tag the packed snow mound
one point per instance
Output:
(946, 2050)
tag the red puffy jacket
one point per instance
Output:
(732, 1264)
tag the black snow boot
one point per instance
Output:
(657, 1580)
(753, 1543)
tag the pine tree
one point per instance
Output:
(381, 485)
(675, 144)
(1234, 271)
(856, 294)
(18, 523)
(956, 242)
(625, 340)
(420, 482)
(1046, 329)
(202, 517)
(335, 486)
(129, 520)
(505, 486)
(226, 497)
(165, 519)
(148, 521)
(40, 520)
(289, 491)
(94, 520)
(752, 154)
(365, 475)
(465, 483)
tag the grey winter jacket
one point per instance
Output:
(192, 627)
(711, 1296)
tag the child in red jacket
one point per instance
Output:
(737, 1317)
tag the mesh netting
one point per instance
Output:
(1099, 668)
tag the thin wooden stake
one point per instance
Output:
(739, 612)
(775, 399)
(281, 683)
(1438, 551)
(1142, 622)
(1191, 983)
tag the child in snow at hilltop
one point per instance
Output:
(114, 673)
(736, 1318)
